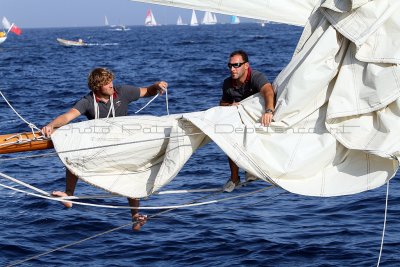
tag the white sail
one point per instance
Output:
(208, 18)
(193, 20)
(235, 20)
(150, 20)
(106, 21)
(294, 12)
(180, 21)
(214, 18)
(335, 130)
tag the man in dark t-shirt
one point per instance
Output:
(105, 100)
(243, 83)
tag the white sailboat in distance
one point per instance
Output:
(180, 21)
(150, 20)
(235, 20)
(208, 19)
(193, 21)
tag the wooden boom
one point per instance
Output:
(22, 142)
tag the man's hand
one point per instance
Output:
(266, 118)
(163, 87)
(48, 130)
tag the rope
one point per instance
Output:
(31, 125)
(103, 233)
(66, 246)
(97, 235)
(24, 184)
(151, 100)
(384, 224)
(47, 196)
(29, 157)
(166, 101)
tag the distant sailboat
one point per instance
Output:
(114, 27)
(193, 21)
(215, 18)
(209, 19)
(9, 28)
(235, 20)
(150, 20)
(180, 21)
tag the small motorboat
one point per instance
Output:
(65, 42)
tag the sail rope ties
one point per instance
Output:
(151, 100)
(46, 195)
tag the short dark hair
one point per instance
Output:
(244, 55)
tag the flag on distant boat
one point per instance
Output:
(11, 27)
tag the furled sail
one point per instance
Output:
(294, 12)
(336, 128)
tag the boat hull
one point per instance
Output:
(2, 39)
(22, 142)
(70, 43)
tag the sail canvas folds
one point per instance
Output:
(336, 125)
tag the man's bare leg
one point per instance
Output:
(138, 219)
(234, 172)
(70, 185)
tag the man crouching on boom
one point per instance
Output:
(103, 101)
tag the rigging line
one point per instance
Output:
(31, 125)
(102, 233)
(141, 207)
(29, 157)
(384, 224)
(68, 245)
(167, 192)
(24, 184)
(166, 101)
(151, 100)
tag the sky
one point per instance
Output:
(80, 13)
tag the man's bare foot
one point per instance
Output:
(138, 221)
(62, 194)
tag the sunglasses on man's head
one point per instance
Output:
(235, 65)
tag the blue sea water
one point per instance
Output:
(41, 79)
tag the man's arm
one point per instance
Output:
(268, 94)
(158, 87)
(60, 121)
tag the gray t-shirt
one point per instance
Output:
(124, 94)
(254, 82)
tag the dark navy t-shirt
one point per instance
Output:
(232, 94)
(124, 94)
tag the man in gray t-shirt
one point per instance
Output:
(105, 100)
(243, 83)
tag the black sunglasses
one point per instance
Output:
(235, 65)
